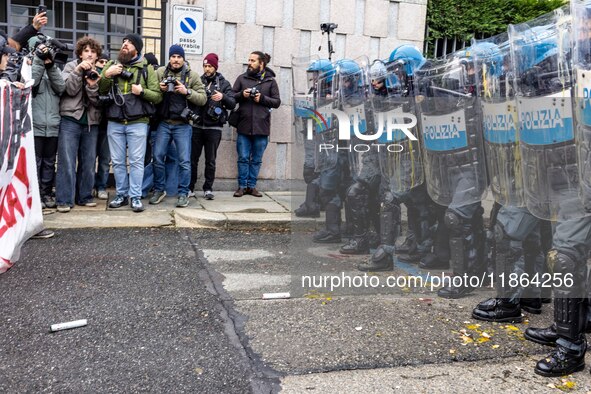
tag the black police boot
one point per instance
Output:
(562, 361)
(356, 245)
(466, 244)
(531, 305)
(432, 262)
(544, 336)
(332, 232)
(453, 292)
(498, 310)
(310, 208)
(381, 260)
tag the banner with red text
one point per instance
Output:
(20, 205)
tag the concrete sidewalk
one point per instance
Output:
(273, 210)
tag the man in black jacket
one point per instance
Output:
(207, 133)
(257, 92)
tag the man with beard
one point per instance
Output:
(133, 88)
(182, 88)
(257, 92)
(207, 133)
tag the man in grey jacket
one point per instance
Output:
(49, 86)
(78, 134)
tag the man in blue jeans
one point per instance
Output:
(182, 91)
(78, 133)
(133, 88)
(257, 93)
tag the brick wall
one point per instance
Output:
(286, 28)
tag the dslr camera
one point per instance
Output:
(253, 92)
(127, 75)
(170, 83)
(91, 74)
(55, 49)
(189, 115)
(106, 100)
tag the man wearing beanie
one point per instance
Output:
(181, 88)
(207, 133)
(133, 86)
(257, 93)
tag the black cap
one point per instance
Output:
(4, 48)
(136, 40)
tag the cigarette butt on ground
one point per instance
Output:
(68, 325)
(275, 296)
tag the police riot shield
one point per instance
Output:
(303, 86)
(494, 68)
(353, 86)
(451, 130)
(325, 130)
(581, 28)
(393, 103)
(542, 60)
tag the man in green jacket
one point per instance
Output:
(182, 88)
(134, 90)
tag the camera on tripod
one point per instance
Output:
(328, 27)
(170, 83)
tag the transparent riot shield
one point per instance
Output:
(494, 68)
(325, 131)
(353, 86)
(451, 130)
(581, 28)
(392, 100)
(542, 61)
(303, 84)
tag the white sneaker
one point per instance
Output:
(208, 195)
(103, 195)
(191, 194)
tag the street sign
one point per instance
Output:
(188, 28)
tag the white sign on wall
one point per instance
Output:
(188, 28)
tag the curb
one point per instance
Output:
(241, 220)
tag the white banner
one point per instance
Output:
(20, 205)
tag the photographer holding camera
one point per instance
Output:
(48, 87)
(183, 92)
(257, 92)
(129, 89)
(207, 133)
(81, 116)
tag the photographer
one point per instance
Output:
(49, 85)
(257, 92)
(132, 88)
(183, 91)
(207, 133)
(81, 115)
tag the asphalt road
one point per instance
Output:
(181, 310)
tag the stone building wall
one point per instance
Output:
(286, 28)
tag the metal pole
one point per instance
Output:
(163, 14)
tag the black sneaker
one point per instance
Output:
(118, 202)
